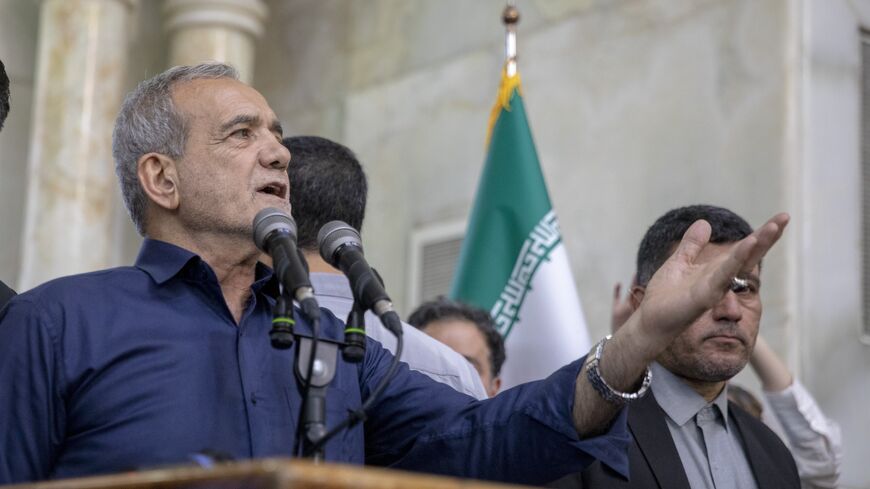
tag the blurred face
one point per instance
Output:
(234, 163)
(718, 344)
(464, 338)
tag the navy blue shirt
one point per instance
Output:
(140, 366)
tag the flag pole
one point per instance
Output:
(510, 79)
(510, 17)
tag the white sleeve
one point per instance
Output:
(814, 439)
(430, 357)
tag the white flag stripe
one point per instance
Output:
(551, 331)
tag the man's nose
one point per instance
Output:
(728, 308)
(275, 155)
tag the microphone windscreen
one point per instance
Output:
(269, 220)
(332, 236)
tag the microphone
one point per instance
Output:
(341, 247)
(275, 234)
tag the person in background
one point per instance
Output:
(815, 441)
(5, 292)
(327, 183)
(467, 329)
(686, 433)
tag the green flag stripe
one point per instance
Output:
(511, 200)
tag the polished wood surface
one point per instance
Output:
(266, 474)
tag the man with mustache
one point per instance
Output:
(687, 434)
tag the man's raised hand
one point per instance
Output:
(683, 288)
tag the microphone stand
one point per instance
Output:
(315, 360)
(316, 363)
(323, 370)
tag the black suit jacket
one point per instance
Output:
(654, 462)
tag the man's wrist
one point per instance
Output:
(605, 390)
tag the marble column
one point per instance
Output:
(215, 30)
(71, 194)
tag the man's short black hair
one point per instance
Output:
(4, 94)
(446, 309)
(659, 241)
(327, 183)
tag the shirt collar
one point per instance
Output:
(163, 261)
(678, 400)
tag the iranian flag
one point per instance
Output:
(513, 262)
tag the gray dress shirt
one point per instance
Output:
(710, 447)
(421, 352)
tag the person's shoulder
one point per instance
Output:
(418, 340)
(67, 300)
(97, 285)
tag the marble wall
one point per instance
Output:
(18, 28)
(19, 34)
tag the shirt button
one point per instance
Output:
(253, 399)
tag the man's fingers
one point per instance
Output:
(766, 237)
(746, 253)
(733, 263)
(694, 239)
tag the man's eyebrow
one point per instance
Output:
(276, 127)
(240, 119)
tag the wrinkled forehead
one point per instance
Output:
(215, 100)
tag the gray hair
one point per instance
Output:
(149, 123)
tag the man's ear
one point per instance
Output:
(158, 175)
(635, 296)
(495, 386)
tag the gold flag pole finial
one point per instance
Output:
(510, 17)
(510, 79)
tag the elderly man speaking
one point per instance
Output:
(144, 365)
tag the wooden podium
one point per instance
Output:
(266, 474)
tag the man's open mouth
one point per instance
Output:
(274, 188)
